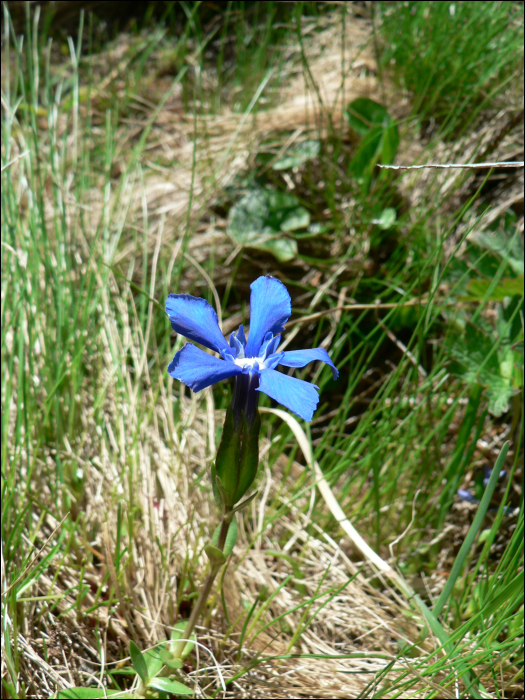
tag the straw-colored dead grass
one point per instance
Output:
(157, 480)
(153, 475)
(223, 145)
(176, 521)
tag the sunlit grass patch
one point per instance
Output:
(123, 172)
(468, 57)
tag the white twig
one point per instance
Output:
(448, 166)
(398, 539)
(336, 510)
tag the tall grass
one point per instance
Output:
(95, 434)
(468, 57)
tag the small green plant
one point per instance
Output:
(262, 218)
(253, 363)
(379, 138)
(298, 155)
(483, 353)
(491, 359)
(90, 416)
(155, 671)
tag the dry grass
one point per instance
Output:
(143, 458)
(176, 521)
(151, 474)
(224, 145)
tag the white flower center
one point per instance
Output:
(250, 361)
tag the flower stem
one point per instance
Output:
(206, 588)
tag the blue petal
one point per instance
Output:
(268, 338)
(300, 358)
(272, 347)
(467, 496)
(300, 397)
(270, 308)
(198, 370)
(487, 472)
(240, 336)
(274, 360)
(229, 355)
(195, 319)
(235, 345)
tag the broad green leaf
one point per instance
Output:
(222, 491)
(153, 661)
(246, 502)
(474, 355)
(510, 319)
(237, 458)
(507, 287)
(475, 361)
(249, 456)
(387, 218)
(367, 154)
(513, 286)
(88, 693)
(298, 155)
(265, 211)
(380, 137)
(138, 661)
(296, 219)
(260, 217)
(227, 459)
(169, 660)
(364, 114)
(215, 488)
(506, 364)
(283, 249)
(315, 229)
(498, 396)
(166, 685)
(231, 537)
(177, 633)
(390, 143)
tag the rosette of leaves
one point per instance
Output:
(490, 355)
(262, 218)
(479, 355)
(298, 155)
(157, 668)
(378, 138)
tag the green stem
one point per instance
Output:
(205, 590)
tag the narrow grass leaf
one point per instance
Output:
(473, 531)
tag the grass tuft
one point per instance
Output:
(126, 164)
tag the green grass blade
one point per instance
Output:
(473, 531)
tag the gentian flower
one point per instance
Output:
(252, 361)
(467, 496)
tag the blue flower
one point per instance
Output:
(252, 361)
